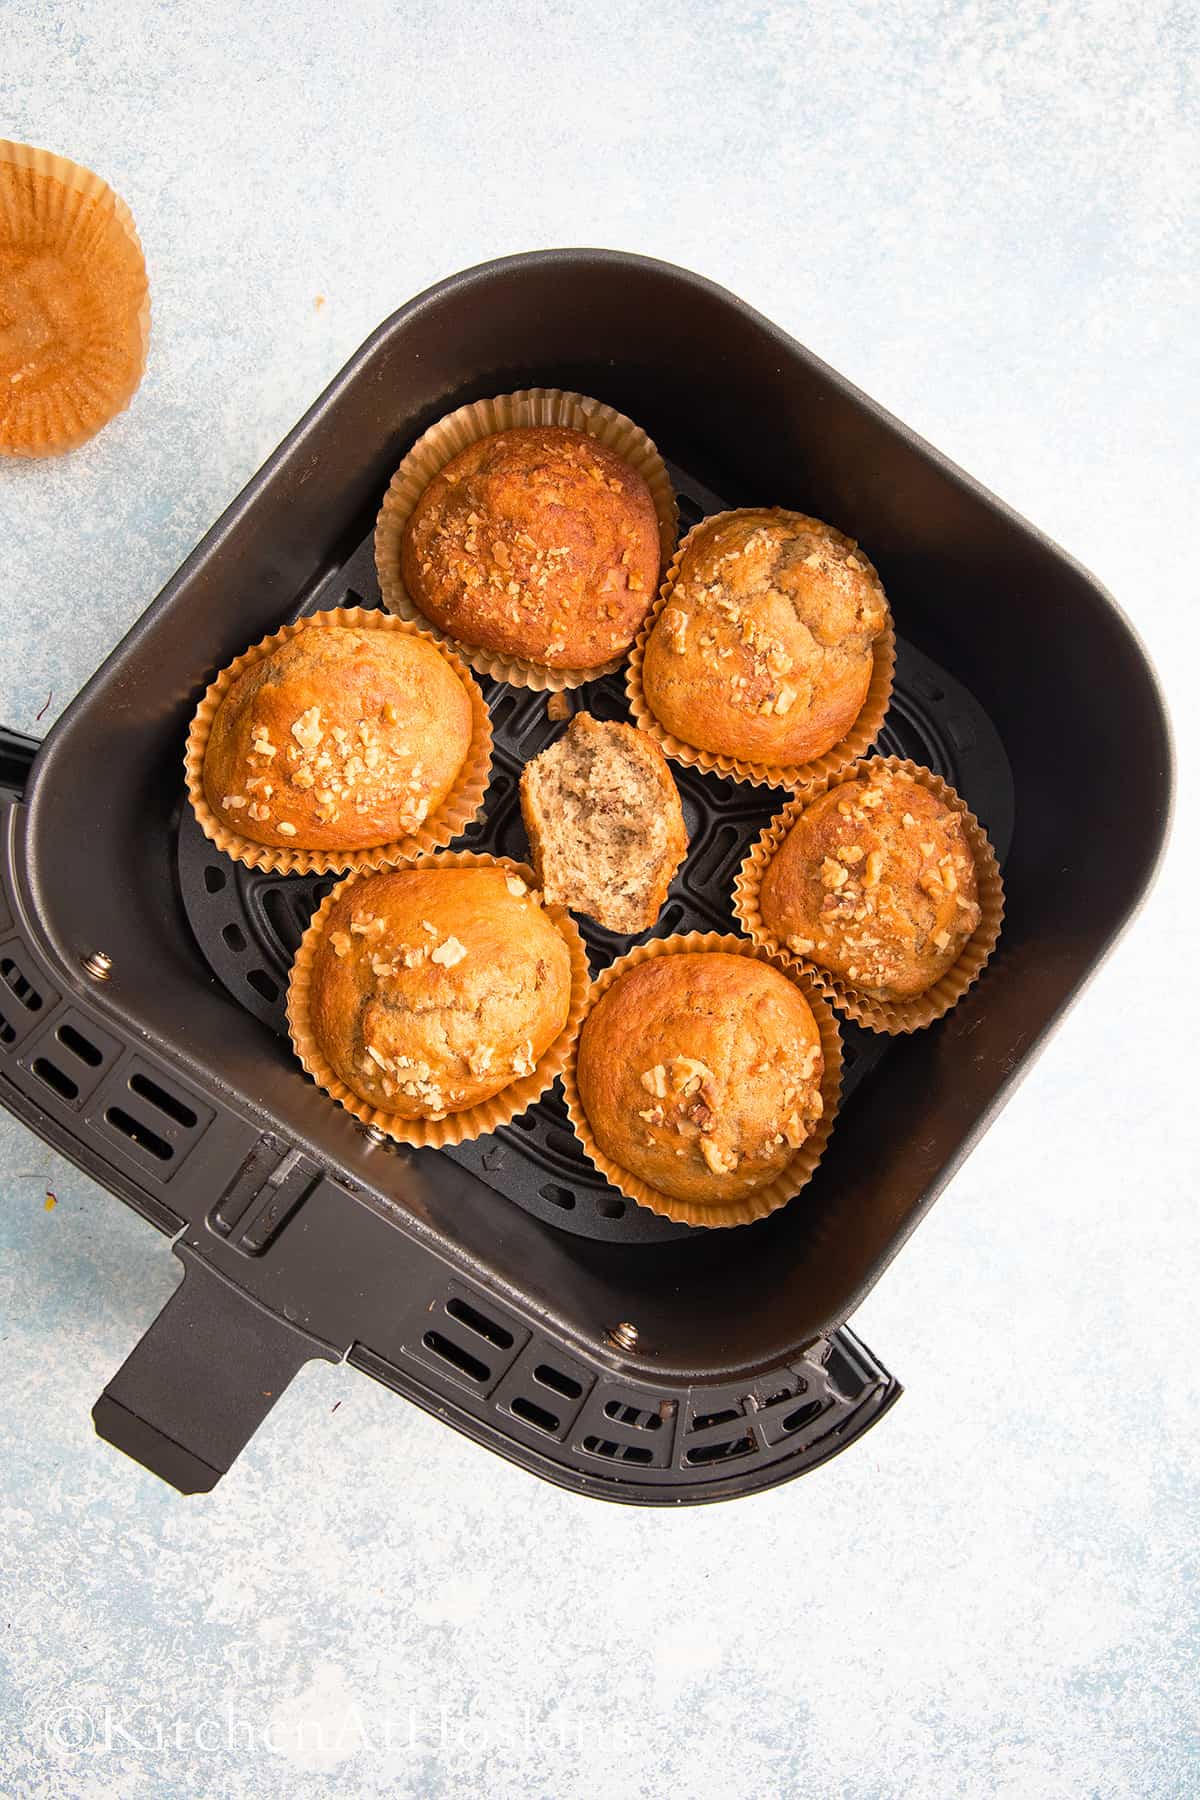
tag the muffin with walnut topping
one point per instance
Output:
(876, 882)
(342, 737)
(699, 1073)
(537, 542)
(764, 648)
(433, 988)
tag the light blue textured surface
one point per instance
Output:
(985, 214)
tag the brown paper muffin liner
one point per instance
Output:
(857, 741)
(443, 441)
(798, 1172)
(892, 1017)
(455, 813)
(472, 1121)
(62, 209)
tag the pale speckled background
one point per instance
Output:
(986, 215)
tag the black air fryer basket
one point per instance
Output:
(503, 1285)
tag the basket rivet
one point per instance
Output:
(98, 965)
(623, 1336)
(374, 1135)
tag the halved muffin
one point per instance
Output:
(605, 823)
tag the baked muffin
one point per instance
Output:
(764, 649)
(342, 738)
(605, 824)
(74, 303)
(536, 542)
(434, 988)
(875, 882)
(700, 1074)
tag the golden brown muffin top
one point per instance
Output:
(876, 882)
(701, 1074)
(538, 543)
(432, 988)
(342, 738)
(764, 650)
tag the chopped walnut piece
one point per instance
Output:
(942, 939)
(515, 886)
(234, 802)
(367, 925)
(719, 1161)
(874, 869)
(286, 828)
(833, 874)
(558, 707)
(801, 945)
(655, 1081)
(786, 699)
(307, 729)
(448, 954)
(675, 626)
(850, 853)
(339, 942)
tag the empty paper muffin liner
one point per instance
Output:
(73, 224)
(799, 1170)
(892, 1017)
(456, 812)
(443, 441)
(472, 1121)
(857, 741)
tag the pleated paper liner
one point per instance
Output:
(892, 1017)
(856, 743)
(443, 441)
(472, 1121)
(65, 374)
(799, 1170)
(453, 816)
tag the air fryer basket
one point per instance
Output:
(141, 975)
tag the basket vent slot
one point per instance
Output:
(625, 1414)
(557, 1382)
(167, 1104)
(533, 1414)
(610, 1209)
(803, 1415)
(235, 937)
(80, 1047)
(631, 1453)
(139, 1133)
(558, 1196)
(477, 1322)
(7, 1034)
(457, 1357)
(262, 984)
(20, 986)
(703, 1421)
(722, 1451)
(55, 1078)
(215, 878)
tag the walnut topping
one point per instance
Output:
(874, 869)
(801, 945)
(259, 812)
(942, 939)
(339, 942)
(719, 1161)
(448, 954)
(558, 707)
(367, 925)
(523, 1061)
(833, 874)
(674, 625)
(286, 828)
(908, 819)
(927, 849)
(871, 797)
(307, 729)
(687, 1074)
(515, 886)
(655, 1081)
(234, 802)
(653, 1115)
(850, 853)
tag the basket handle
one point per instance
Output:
(193, 1392)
